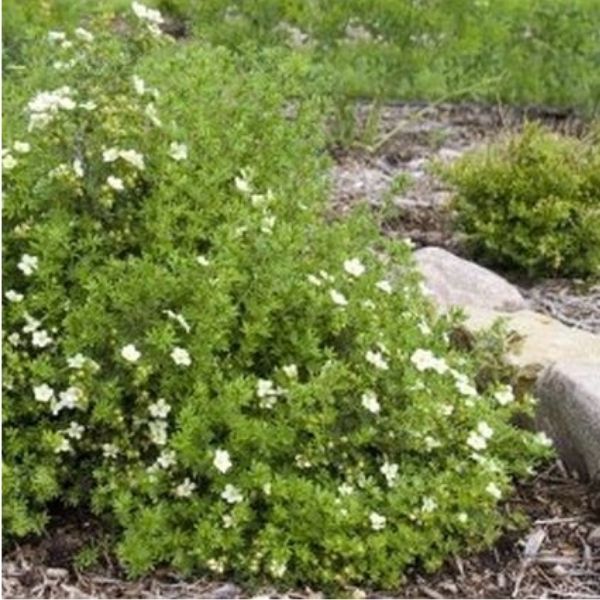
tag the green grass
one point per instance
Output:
(513, 51)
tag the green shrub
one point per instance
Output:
(193, 352)
(531, 202)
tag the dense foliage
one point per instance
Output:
(531, 202)
(192, 351)
(522, 52)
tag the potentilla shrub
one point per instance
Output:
(531, 203)
(232, 383)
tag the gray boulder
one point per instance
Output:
(569, 412)
(453, 281)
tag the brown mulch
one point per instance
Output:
(557, 556)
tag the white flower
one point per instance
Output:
(110, 155)
(264, 388)
(232, 494)
(32, 324)
(69, 398)
(462, 517)
(338, 298)
(28, 264)
(13, 296)
(43, 392)
(476, 441)
(63, 446)
(314, 280)
(369, 304)
(160, 409)
(217, 566)
(384, 285)
(110, 450)
(38, 121)
(377, 521)
(49, 103)
(493, 490)
(185, 489)
(41, 339)
(302, 462)
(66, 44)
(61, 170)
(75, 430)
(291, 371)
(77, 361)
(133, 158)
(222, 461)
(277, 569)
(84, 34)
(369, 401)
(147, 14)
(542, 439)
(424, 360)
(390, 472)
(267, 223)
(158, 432)
(151, 112)
(178, 151)
(431, 443)
(78, 168)
(9, 162)
(484, 430)
(56, 36)
(181, 357)
(21, 147)
(14, 338)
(166, 459)
(139, 85)
(345, 489)
(424, 328)
(446, 409)
(377, 360)
(130, 353)
(116, 183)
(466, 389)
(242, 184)
(409, 243)
(429, 504)
(354, 267)
(202, 260)
(504, 395)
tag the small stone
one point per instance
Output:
(594, 537)
(227, 590)
(56, 573)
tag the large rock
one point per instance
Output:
(569, 411)
(453, 281)
(540, 340)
